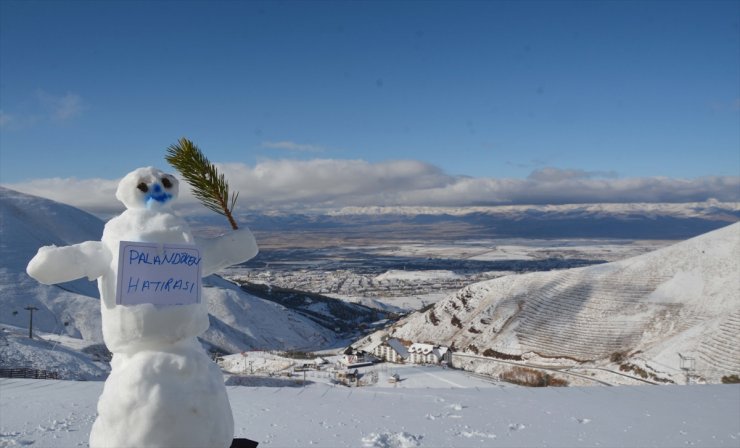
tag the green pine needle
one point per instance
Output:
(208, 185)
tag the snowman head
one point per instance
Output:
(147, 188)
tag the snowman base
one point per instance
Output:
(244, 443)
(173, 397)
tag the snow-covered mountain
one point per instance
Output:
(639, 312)
(27, 223)
(239, 321)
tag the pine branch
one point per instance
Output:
(208, 185)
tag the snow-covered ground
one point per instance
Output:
(49, 413)
(427, 406)
(256, 367)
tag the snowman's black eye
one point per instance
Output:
(166, 183)
(142, 186)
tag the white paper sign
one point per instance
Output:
(162, 274)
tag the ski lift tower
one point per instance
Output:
(688, 365)
(244, 363)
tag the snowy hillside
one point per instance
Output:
(27, 223)
(239, 320)
(638, 313)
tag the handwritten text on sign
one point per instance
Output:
(162, 274)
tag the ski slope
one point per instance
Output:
(50, 413)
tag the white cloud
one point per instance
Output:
(5, 119)
(327, 181)
(60, 107)
(43, 107)
(15, 121)
(292, 146)
(332, 183)
(550, 174)
(731, 106)
(97, 195)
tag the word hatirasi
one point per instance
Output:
(171, 284)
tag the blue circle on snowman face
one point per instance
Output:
(157, 195)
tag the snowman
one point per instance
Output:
(163, 390)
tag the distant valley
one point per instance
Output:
(401, 276)
(323, 281)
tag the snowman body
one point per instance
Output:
(163, 390)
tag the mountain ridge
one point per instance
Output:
(664, 221)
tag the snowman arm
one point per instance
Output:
(54, 264)
(226, 250)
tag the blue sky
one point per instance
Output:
(497, 91)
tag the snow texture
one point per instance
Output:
(163, 391)
(53, 413)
